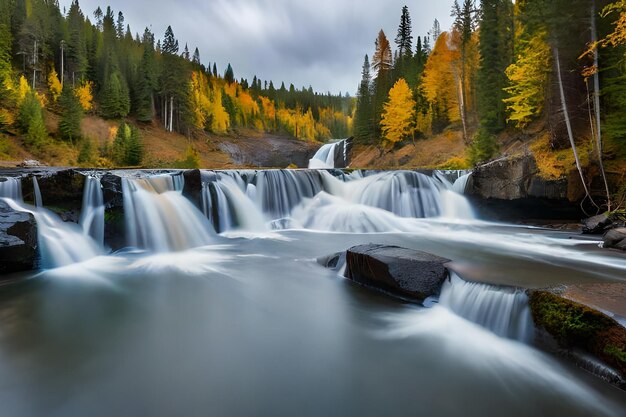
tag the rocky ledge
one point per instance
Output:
(18, 241)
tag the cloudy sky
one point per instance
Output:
(314, 42)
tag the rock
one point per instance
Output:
(596, 224)
(30, 163)
(615, 238)
(577, 327)
(342, 153)
(18, 241)
(510, 189)
(193, 187)
(402, 272)
(112, 192)
(61, 190)
(336, 261)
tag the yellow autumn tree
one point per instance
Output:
(84, 92)
(220, 120)
(440, 81)
(528, 78)
(398, 114)
(54, 85)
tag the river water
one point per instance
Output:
(247, 323)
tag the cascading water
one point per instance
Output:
(234, 208)
(279, 191)
(159, 218)
(37, 191)
(11, 188)
(503, 311)
(92, 213)
(325, 157)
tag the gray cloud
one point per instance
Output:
(319, 43)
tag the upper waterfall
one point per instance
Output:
(331, 155)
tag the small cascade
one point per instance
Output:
(37, 191)
(279, 191)
(216, 207)
(11, 188)
(92, 213)
(404, 193)
(460, 185)
(159, 218)
(326, 156)
(60, 243)
(235, 209)
(504, 311)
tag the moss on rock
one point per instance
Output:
(575, 325)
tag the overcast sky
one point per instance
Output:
(314, 42)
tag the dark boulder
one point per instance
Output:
(18, 241)
(597, 224)
(342, 153)
(112, 191)
(615, 239)
(193, 187)
(401, 272)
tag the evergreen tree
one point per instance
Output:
(404, 39)
(196, 57)
(31, 120)
(170, 43)
(147, 81)
(119, 28)
(115, 100)
(496, 46)
(363, 117)
(229, 75)
(71, 115)
(382, 64)
(186, 54)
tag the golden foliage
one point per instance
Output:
(23, 89)
(84, 92)
(440, 81)
(555, 164)
(455, 163)
(398, 113)
(528, 78)
(54, 85)
(220, 120)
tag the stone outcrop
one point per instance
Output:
(401, 272)
(615, 239)
(511, 189)
(18, 241)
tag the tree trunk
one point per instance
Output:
(171, 113)
(568, 123)
(462, 111)
(165, 112)
(596, 103)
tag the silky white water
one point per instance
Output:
(202, 324)
(325, 157)
(92, 213)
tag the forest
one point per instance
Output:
(66, 65)
(547, 73)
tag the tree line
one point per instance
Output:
(507, 67)
(73, 64)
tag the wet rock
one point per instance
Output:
(342, 153)
(336, 261)
(112, 192)
(597, 224)
(402, 272)
(615, 239)
(193, 187)
(18, 241)
(61, 190)
(576, 327)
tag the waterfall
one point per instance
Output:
(11, 188)
(60, 243)
(234, 208)
(37, 191)
(92, 213)
(460, 185)
(159, 218)
(325, 157)
(279, 191)
(502, 310)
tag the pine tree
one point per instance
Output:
(31, 121)
(382, 64)
(170, 43)
(115, 100)
(363, 117)
(119, 28)
(71, 115)
(186, 54)
(404, 39)
(496, 46)
(196, 57)
(147, 81)
(229, 75)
